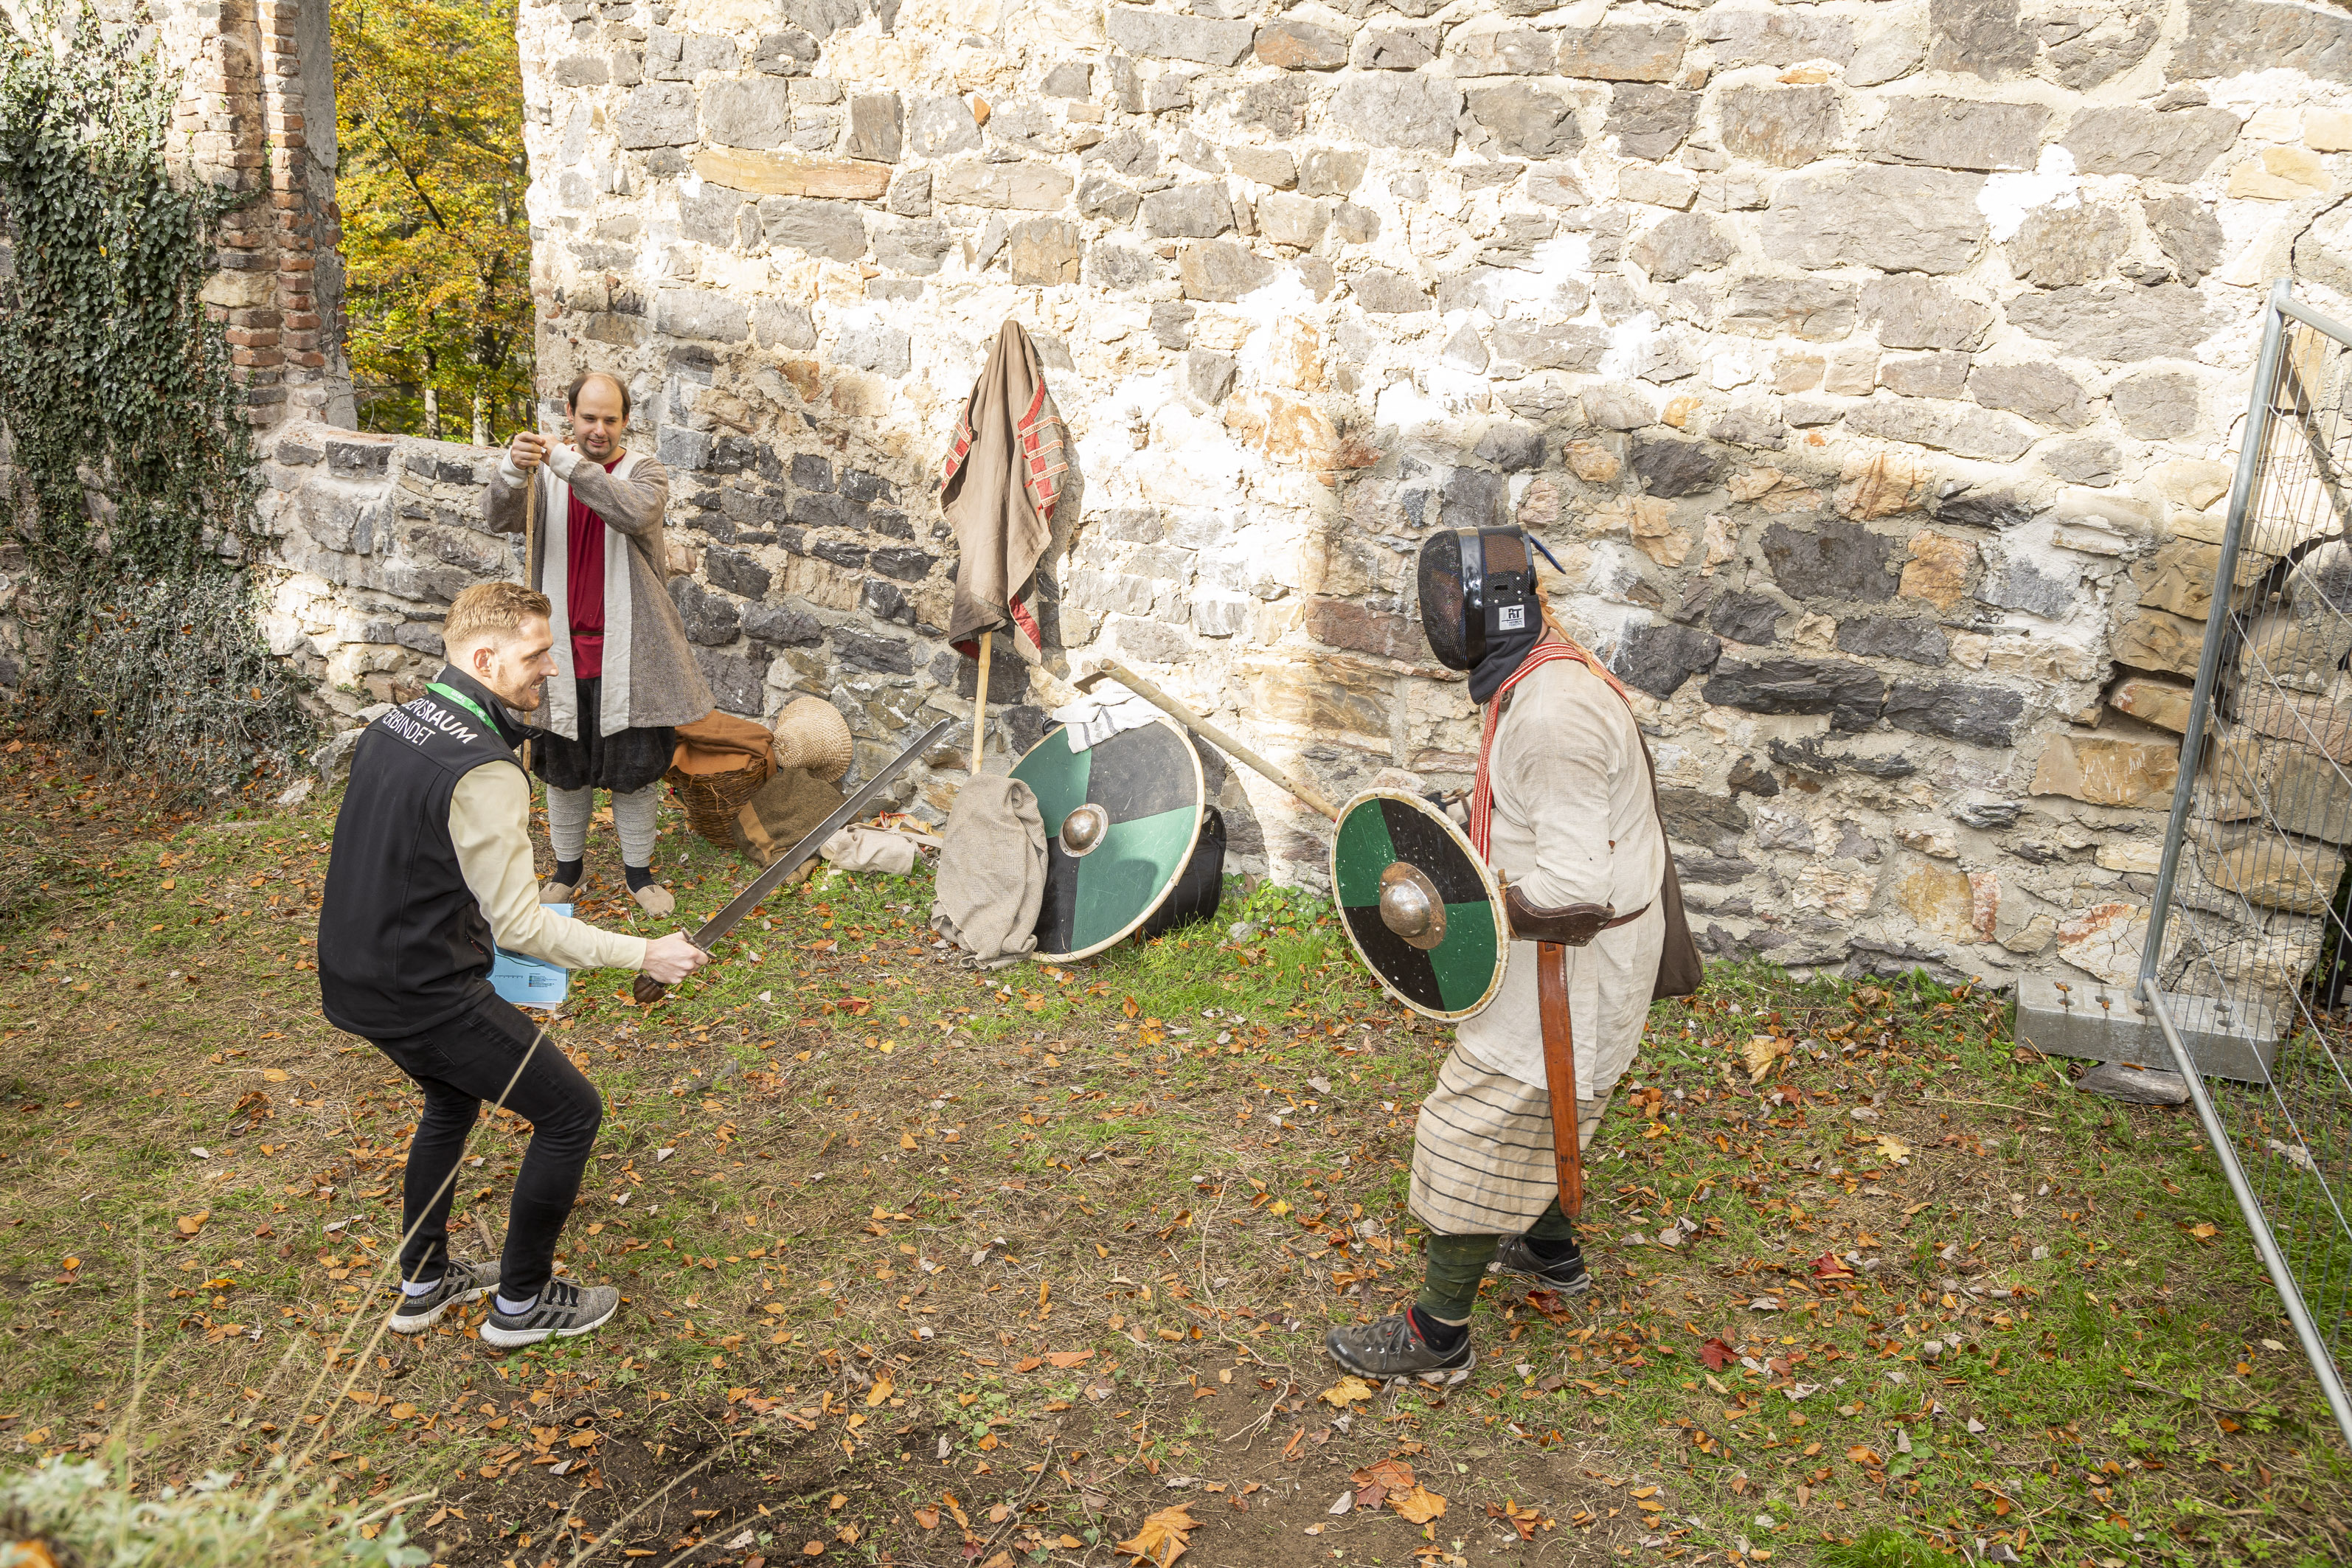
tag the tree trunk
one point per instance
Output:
(432, 399)
(481, 416)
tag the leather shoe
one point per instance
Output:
(554, 892)
(655, 900)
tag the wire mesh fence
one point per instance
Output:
(2247, 960)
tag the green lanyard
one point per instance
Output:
(468, 704)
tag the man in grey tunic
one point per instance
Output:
(626, 675)
(1565, 811)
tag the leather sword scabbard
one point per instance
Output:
(1560, 1073)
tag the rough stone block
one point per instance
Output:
(2189, 233)
(1849, 694)
(2174, 147)
(876, 129)
(2040, 391)
(1920, 313)
(1300, 46)
(2059, 247)
(1782, 126)
(1650, 121)
(1981, 37)
(2286, 786)
(1332, 171)
(1028, 187)
(1284, 219)
(835, 230)
(701, 313)
(737, 572)
(1390, 110)
(659, 114)
(1578, 347)
(1752, 618)
(1894, 637)
(1188, 212)
(2157, 405)
(1895, 219)
(1361, 628)
(2154, 640)
(1817, 309)
(1621, 51)
(1981, 715)
(1044, 251)
(1395, 48)
(1164, 35)
(1946, 426)
(2298, 876)
(2020, 585)
(2106, 769)
(753, 111)
(1525, 119)
(1960, 133)
(1683, 243)
(1273, 166)
(1837, 560)
(1669, 467)
(1746, 35)
(1659, 658)
(1926, 375)
(1501, 51)
(1218, 270)
(1387, 291)
(781, 624)
(2116, 322)
(710, 619)
(2163, 703)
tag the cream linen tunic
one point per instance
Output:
(1574, 823)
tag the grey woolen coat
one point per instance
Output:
(650, 678)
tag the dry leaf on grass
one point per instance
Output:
(192, 1223)
(1762, 1051)
(1717, 1354)
(1162, 1540)
(1893, 1151)
(1420, 1505)
(1346, 1392)
(1066, 1359)
(878, 1392)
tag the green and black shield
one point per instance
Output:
(1122, 819)
(1419, 905)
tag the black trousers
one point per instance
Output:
(460, 1064)
(623, 762)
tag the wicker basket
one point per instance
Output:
(720, 762)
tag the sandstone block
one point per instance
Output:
(2040, 391)
(2295, 875)
(785, 173)
(1526, 120)
(2057, 248)
(1028, 187)
(1980, 715)
(2107, 770)
(1164, 35)
(1300, 46)
(2154, 640)
(1219, 271)
(2327, 129)
(1362, 629)
(1784, 126)
(1946, 426)
(876, 129)
(1895, 219)
(2163, 703)
(2174, 147)
(1332, 696)
(1881, 484)
(1409, 111)
(1044, 251)
(1621, 51)
(1815, 309)
(2105, 939)
(2286, 786)
(1746, 35)
(1939, 898)
(2157, 405)
(1939, 569)
(2180, 576)
(2323, 723)
(1649, 122)
(1849, 694)
(755, 111)
(1271, 166)
(1960, 133)
(2280, 175)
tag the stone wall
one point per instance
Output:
(1872, 369)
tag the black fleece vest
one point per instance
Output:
(402, 946)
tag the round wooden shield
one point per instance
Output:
(1420, 906)
(1122, 819)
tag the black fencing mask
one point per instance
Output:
(1478, 602)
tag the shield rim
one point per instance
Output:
(1192, 844)
(1486, 875)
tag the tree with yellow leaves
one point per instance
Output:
(430, 181)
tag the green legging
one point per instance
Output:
(1449, 1288)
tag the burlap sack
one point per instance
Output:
(781, 814)
(992, 871)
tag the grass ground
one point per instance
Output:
(927, 1267)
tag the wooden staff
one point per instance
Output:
(529, 546)
(980, 701)
(1114, 670)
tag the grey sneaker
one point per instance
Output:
(562, 1310)
(1565, 1275)
(1393, 1348)
(461, 1283)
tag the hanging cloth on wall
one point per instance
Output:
(998, 486)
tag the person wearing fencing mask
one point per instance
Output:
(1564, 811)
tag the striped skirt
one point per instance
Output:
(1482, 1151)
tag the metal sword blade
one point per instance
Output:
(719, 924)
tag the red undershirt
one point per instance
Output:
(583, 597)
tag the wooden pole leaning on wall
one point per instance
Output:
(1111, 670)
(529, 546)
(980, 701)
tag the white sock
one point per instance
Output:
(514, 1308)
(567, 822)
(419, 1288)
(635, 819)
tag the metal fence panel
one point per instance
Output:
(2247, 941)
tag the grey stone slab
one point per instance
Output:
(1850, 694)
(1816, 308)
(1525, 119)
(2157, 405)
(1165, 35)
(1683, 243)
(1955, 427)
(1276, 167)
(750, 111)
(1532, 346)
(2230, 37)
(1044, 251)
(1293, 44)
(2175, 147)
(1978, 37)
(1123, 269)
(1926, 375)
(736, 572)
(835, 230)
(1957, 710)
(884, 350)
(866, 650)
(781, 624)
(1658, 658)
(2037, 389)
(1835, 560)
(701, 313)
(1395, 48)
(1621, 51)
(1387, 291)
(1512, 447)
(2056, 247)
(918, 247)
(1279, 106)
(1920, 313)
(1649, 122)
(2115, 323)
(1027, 187)
(2134, 1085)
(1100, 197)
(1503, 51)
(1285, 219)
(1188, 212)
(1894, 218)
(788, 53)
(1748, 617)
(938, 126)
(2189, 233)
(1782, 126)
(1389, 109)
(1219, 271)
(1332, 171)
(1960, 133)
(2020, 585)
(1918, 640)
(659, 114)
(1750, 36)
(876, 127)
(711, 619)
(2087, 461)
(1674, 468)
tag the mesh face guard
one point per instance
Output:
(1477, 585)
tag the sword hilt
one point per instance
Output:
(648, 990)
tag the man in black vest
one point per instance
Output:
(431, 861)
